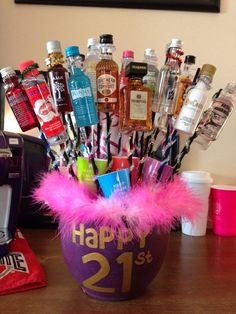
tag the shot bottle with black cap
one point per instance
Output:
(107, 77)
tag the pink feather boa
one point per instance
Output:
(141, 209)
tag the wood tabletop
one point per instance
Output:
(198, 276)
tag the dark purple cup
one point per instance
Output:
(109, 269)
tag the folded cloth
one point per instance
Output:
(20, 269)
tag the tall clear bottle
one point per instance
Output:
(90, 63)
(18, 100)
(150, 80)
(195, 101)
(42, 102)
(80, 91)
(186, 79)
(107, 77)
(216, 116)
(168, 78)
(57, 77)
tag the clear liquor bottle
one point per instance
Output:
(150, 80)
(90, 64)
(216, 116)
(168, 78)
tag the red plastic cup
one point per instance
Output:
(122, 162)
(223, 209)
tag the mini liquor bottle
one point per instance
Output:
(39, 95)
(127, 57)
(150, 79)
(216, 116)
(90, 63)
(195, 101)
(136, 100)
(107, 77)
(57, 77)
(18, 100)
(168, 79)
(81, 92)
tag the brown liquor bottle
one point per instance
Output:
(136, 100)
(107, 77)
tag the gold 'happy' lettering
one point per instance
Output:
(94, 239)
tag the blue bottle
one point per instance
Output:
(80, 91)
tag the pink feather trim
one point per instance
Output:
(141, 209)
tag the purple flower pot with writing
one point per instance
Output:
(111, 268)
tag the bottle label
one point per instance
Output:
(46, 113)
(84, 107)
(59, 91)
(183, 85)
(138, 105)
(81, 93)
(191, 111)
(215, 120)
(106, 86)
(22, 110)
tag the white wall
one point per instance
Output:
(24, 30)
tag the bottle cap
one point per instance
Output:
(137, 69)
(208, 69)
(25, 67)
(92, 42)
(72, 51)
(128, 54)
(190, 59)
(7, 71)
(106, 39)
(150, 52)
(53, 46)
(175, 43)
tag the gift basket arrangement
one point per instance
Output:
(113, 139)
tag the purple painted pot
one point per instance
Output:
(113, 269)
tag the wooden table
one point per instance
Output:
(198, 276)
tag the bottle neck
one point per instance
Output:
(136, 81)
(74, 62)
(106, 51)
(125, 62)
(204, 82)
(93, 51)
(32, 73)
(188, 67)
(10, 81)
(174, 56)
(150, 60)
(56, 58)
(228, 95)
